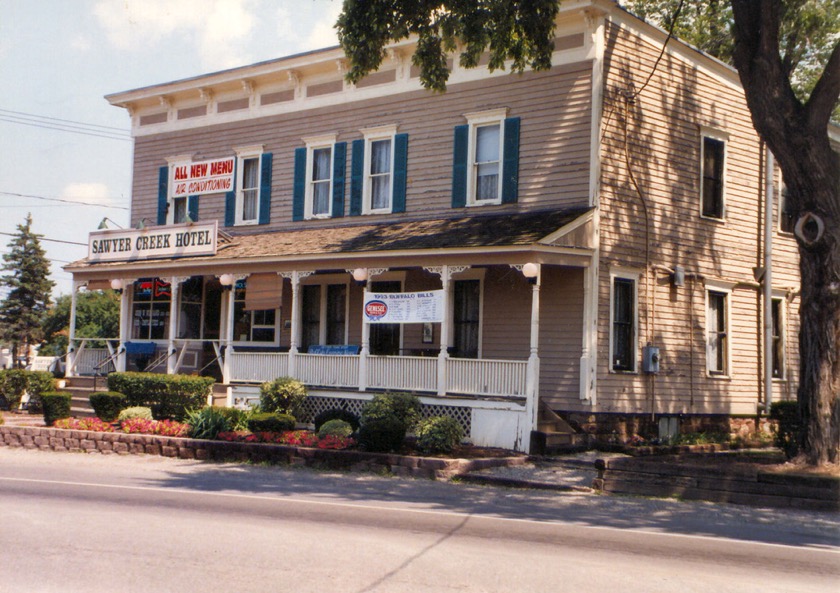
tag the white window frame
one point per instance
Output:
(634, 276)
(253, 325)
(720, 136)
(176, 161)
(468, 274)
(242, 154)
(324, 281)
(371, 135)
(724, 288)
(314, 143)
(474, 121)
(781, 297)
(780, 206)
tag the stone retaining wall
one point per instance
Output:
(55, 439)
(696, 479)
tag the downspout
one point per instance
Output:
(768, 283)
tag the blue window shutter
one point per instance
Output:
(265, 188)
(357, 177)
(230, 203)
(192, 208)
(163, 194)
(400, 172)
(459, 166)
(299, 188)
(339, 175)
(510, 165)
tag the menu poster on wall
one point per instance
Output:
(404, 307)
(205, 177)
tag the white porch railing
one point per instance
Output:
(88, 359)
(486, 377)
(497, 378)
(328, 370)
(258, 366)
(411, 373)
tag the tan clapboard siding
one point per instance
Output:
(561, 325)
(506, 328)
(664, 136)
(554, 108)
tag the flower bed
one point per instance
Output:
(168, 428)
(296, 438)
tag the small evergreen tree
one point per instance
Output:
(29, 286)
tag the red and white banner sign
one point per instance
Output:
(204, 177)
(404, 307)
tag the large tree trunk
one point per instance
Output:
(798, 136)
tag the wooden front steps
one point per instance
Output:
(80, 390)
(554, 434)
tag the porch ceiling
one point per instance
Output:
(507, 237)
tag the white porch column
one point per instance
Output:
(532, 382)
(364, 352)
(227, 329)
(174, 315)
(443, 355)
(125, 322)
(70, 359)
(294, 339)
(588, 357)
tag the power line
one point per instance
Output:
(73, 202)
(57, 119)
(64, 125)
(45, 239)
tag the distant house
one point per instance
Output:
(587, 240)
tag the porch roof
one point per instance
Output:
(534, 233)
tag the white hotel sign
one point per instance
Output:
(177, 240)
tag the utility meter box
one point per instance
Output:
(650, 359)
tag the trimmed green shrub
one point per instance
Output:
(15, 382)
(335, 428)
(790, 427)
(141, 412)
(107, 405)
(39, 382)
(284, 395)
(336, 414)
(207, 422)
(237, 419)
(440, 434)
(271, 422)
(56, 406)
(169, 396)
(382, 435)
(386, 419)
(405, 407)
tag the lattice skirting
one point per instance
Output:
(314, 405)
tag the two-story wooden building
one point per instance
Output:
(593, 239)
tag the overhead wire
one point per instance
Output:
(64, 200)
(64, 125)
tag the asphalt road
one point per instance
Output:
(90, 523)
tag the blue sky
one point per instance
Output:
(59, 58)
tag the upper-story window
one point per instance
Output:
(250, 202)
(486, 160)
(713, 180)
(175, 208)
(319, 178)
(378, 172)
